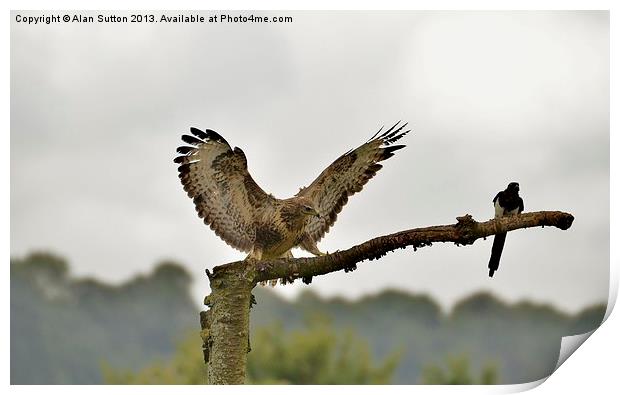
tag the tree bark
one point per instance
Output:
(225, 326)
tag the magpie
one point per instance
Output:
(507, 202)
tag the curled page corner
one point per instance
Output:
(514, 388)
(569, 345)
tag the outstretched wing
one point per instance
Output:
(346, 176)
(216, 177)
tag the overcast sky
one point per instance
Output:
(97, 111)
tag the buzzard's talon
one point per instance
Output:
(250, 260)
(350, 268)
(252, 300)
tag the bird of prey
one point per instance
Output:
(507, 202)
(251, 220)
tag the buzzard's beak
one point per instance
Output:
(316, 214)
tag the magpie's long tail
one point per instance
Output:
(496, 252)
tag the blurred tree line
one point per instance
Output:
(316, 355)
(63, 329)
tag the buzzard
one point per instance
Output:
(251, 220)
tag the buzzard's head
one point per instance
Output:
(310, 211)
(306, 206)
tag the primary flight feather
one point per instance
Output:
(247, 218)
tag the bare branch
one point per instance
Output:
(225, 326)
(464, 232)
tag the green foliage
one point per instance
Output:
(458, 372)
(186, 366)
(315, 355)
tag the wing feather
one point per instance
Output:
(224, 193)
(347, 175)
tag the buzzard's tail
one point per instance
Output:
(496, 252)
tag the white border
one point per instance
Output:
(593, 364)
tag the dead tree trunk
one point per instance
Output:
(228, 325)
(225, 326)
